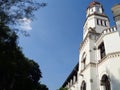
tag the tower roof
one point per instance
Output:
(93, 4)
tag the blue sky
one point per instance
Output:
(55, 37)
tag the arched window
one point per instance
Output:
(83, 61)
(83, 86)
(102, 50)
(105, 82)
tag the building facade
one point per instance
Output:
(99, 58)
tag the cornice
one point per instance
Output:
(95, 14)
(88, 65)
(110, 55)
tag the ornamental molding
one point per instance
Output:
(110, 55)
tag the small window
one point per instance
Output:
(91, 10)
(97, 8)
(101, 22)
(97, 21)
(105, 23)
(84, 63)
(102, 50)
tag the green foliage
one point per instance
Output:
(41, 87)
(16, 71)
(13, 10)
(63, 88)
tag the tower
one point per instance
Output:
(99, 57)
(95, 23)
(95, 18)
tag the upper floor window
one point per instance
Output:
(105, 22)
(102, 50)
(101, 22)
(84, 62)
(98, 22)
(91, 10)
(97, 8)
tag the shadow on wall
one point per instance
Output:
(115, 81)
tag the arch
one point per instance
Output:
(83, 56)
(83, 61)
(83, 85)
(105, 82)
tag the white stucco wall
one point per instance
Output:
(84, 49)
(93, 75)
(112, 42)
(92, 22)
(108, 65)
(86, 78)
(111, 67)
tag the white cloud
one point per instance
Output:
(25, 24)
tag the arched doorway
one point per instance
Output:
(105, 82)
(83, 85)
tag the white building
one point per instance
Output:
(99, 58)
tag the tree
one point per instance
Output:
(17, 72)
(63, 88)
(28, 76)
(11, 11)
(41, 87)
